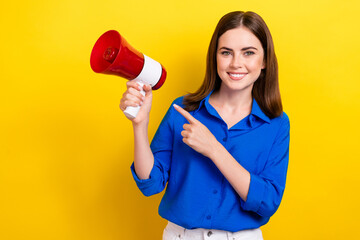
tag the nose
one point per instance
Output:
(236, 61)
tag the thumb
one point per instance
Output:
(147, 88)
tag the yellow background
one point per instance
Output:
(66, 148)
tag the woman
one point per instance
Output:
(223, 150)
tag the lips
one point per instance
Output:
(237, 76)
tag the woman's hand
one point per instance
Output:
(133, 97)
(196, 135)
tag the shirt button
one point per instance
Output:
(208, 217)
(215, 191)
(209, 233)
(225, 139)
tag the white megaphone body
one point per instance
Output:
(111, 54)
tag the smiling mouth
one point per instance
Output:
(237, 76)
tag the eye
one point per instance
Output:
(225, 53)
(249, 53)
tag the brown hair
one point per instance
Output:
(266, 88)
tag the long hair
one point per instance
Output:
(266, 88)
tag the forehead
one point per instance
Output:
(239, 38)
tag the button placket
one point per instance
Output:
(226, 135)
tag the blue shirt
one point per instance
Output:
(197, 193)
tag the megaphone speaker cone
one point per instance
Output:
(112, 54)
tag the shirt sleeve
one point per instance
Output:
(266, 189)
(161, 147)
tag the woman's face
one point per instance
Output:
(240, 58)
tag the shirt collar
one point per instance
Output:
(203, 101)
(256, 112)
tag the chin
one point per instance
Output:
(238, 87)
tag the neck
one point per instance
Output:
(232, 99)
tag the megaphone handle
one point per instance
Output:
(131, 112)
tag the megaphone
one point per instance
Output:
(112, 54)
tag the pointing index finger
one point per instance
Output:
(185, 113)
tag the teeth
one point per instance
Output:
(237, 75)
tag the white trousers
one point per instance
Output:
(176, 232)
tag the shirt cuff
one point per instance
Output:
(146, 186)
(255, 194)
(142, 182)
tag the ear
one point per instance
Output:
(263, 66)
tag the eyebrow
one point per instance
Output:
(243, 49)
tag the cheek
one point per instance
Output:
(257, 65)
(221, 64)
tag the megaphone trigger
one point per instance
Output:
(131, 112)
